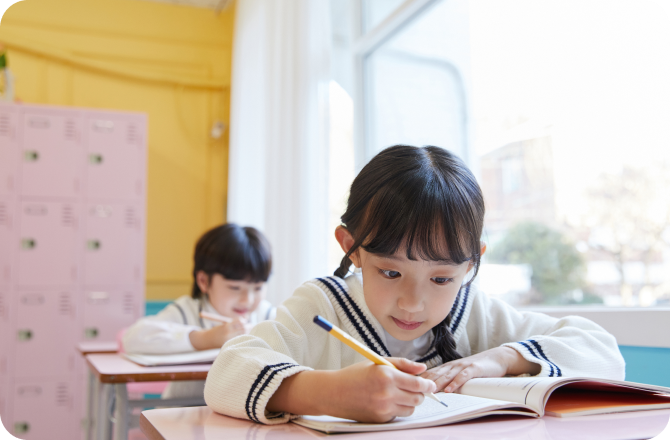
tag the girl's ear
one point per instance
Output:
(202, 280)
(346, 241)
(482, 251)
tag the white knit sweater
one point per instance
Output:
(168, 332)
(250, 368)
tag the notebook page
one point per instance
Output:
(195, 357)
(524, 390)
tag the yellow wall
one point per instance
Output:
(171, 62)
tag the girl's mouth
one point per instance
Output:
(241, 311)
(406, 325)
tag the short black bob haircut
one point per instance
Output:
(235, 252)
(423, 200)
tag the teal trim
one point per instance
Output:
(647, 364)
(153, 307)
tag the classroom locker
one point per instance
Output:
(8, 245)
(113, 244)
(115, 164)
(9, 150)
(46, 327)
(48, 241)
(44, 409)
(6, 341)
(52, 154)
(109, 310)
(5, 392)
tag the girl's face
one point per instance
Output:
(231, 298)
(407, 297)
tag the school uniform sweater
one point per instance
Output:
(251, 367)
(168, 332)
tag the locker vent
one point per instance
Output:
(62, 395)
(2, 306)
(133, 134)
(5, 125)
(128, 303)
(65, 306)
(3, 214)
(131, 218)
(68, 216)
(70, 130)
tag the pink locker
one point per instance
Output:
(44, 409)
(6, 340)
(8, 244)
(48, 241)
(46, 327)
(115, 167)
(9, 150)
(52, 153)
(108, 310)
(113, 248)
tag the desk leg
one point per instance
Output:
(122, 412)
(103, 402)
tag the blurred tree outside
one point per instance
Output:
(559, 269)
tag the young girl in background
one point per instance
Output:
(230, 269)
(412, 231)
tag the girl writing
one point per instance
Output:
(231, 265)
(412, 231)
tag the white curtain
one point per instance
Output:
(279, 134)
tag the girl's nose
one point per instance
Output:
(411, 302)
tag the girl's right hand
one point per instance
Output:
(218, 335)
(364, 392)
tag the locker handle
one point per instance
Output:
(24, 335)
(28, 243)
(21, 427)
(93, 245)
(31, 156)
(91, 333)
(95, 159)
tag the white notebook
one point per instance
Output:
(154, 360)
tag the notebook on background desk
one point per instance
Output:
(154, 360)
(524, 396)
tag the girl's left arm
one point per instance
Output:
(504, 341)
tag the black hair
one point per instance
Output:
(235, 252)
(420, 199)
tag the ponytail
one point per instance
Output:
(444, 342)
(343, 270)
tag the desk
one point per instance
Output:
(85, 348)
(201, 423)
(112, 372)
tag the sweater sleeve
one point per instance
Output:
(164, 333)
(569, 346)
(251, 367)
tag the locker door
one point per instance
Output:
(8, 245)
(107, 311)
(52, 154)
(47, 243)
(6, 340)
(9, 150)
(44, 410)
(46, 326)
(116, 156)
(113, 244)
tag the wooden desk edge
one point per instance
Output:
(149, 430)
(145, 377)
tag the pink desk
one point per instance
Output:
(201, 423)
(97, 347)
(112, 372)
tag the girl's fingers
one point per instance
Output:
(414, 384)
(407, 366)
(460, 379)
(404, 411)
(405, 398)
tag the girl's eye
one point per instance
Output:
(441, 280)
(389, 273)
(234, 288)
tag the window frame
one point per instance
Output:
(644, 327)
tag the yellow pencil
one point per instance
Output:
(360, 348)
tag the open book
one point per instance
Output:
(194, 357)
(526, 396)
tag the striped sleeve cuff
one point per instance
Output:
(264, 387)
(532, 351)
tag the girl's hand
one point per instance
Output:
(496, 362)
(216, 336)
(364, 392)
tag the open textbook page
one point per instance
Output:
(154, 360)
(565, 397)
(429, 413)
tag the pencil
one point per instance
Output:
(215, 317)
(360, 348)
